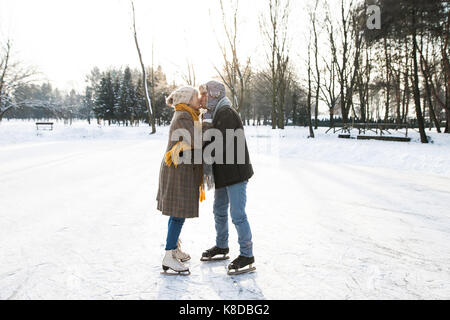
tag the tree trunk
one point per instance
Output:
(343, 107)
(428, 92)
(311, 131)
(447, 110)
(332, 117)
(281, 116)
(316, 109)
(318, 73)
(433, 117)
(274, 112)
(420, 120)
(447, 127)
(398, 119)
(148, 103)
(406, 92)
(294, 109)
(388, 81)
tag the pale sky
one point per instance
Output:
(65, 39)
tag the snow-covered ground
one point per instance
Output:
(331, 218)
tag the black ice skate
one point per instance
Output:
(215, 254)
(241, 265)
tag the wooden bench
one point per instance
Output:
(385, 138)
(382, 131)
(45, 125)
(381, 128)
(377, 128)
(340, 128)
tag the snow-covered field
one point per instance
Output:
(331, 218)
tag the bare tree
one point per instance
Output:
(328, 88)
(12, 75)
(311, 131)
(363, 83)
(345, 53)
(189, 77)
(148, 102)
(425, 66)
(318, 71)
(234, 74)
(275, 30)
(446, 63)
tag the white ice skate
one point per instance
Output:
(180, 255)
(170, 262)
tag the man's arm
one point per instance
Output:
(225, 120)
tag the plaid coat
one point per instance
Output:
(178, 192)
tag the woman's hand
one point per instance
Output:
(204, 101)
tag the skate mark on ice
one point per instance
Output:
(43, 164)
(20, 286)
(431, 218)
(247, 283)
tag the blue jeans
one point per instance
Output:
(235, 197)
(175, 226)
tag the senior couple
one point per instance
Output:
(182, 183)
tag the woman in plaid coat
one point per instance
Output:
(180, 182)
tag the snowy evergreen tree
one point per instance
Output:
(105, 99)
(126, 98)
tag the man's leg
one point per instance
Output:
(221, 217)
(237, 195)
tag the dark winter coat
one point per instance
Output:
(178, 192)
(229, 174)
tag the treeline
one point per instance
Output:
(349, 67)
(397, 71)
(44, 102)
(117, 96)
(386, 61)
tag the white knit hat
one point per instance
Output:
(181, 95)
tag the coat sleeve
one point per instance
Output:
(186, 123)
(226, 120)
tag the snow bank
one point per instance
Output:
(293, 142)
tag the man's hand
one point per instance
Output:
(208, 117)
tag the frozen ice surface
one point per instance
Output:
(331, 218)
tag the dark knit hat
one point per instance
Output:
(215, 90)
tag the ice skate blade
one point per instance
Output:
(234, 272)
(203, 259)
(174, 274)
(170, 272)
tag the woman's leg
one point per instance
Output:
(174, 230)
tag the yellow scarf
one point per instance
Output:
(184, 107)
(173, 156)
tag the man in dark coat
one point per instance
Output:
(230, 178)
